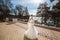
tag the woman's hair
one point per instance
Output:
(31, 15)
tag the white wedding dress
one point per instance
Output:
(31, 32)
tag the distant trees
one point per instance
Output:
(43, 11)
(25, 12)
(22, 12)
(56, 15)
(7, 10)
(19, 8)
(5, 7)
(52, 15)
(51, 0)
(5, 4)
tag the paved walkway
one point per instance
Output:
(16, 32)
(11, 32)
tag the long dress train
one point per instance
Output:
(31, 33)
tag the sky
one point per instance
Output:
(32, 5)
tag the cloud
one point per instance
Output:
(31, 4)
(33, 12)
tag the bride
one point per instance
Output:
(31, 33)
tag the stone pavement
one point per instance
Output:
(11, 32)
(16, 32)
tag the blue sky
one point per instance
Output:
(32, 5)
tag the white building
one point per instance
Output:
(38, 18)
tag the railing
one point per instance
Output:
(47, 27)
